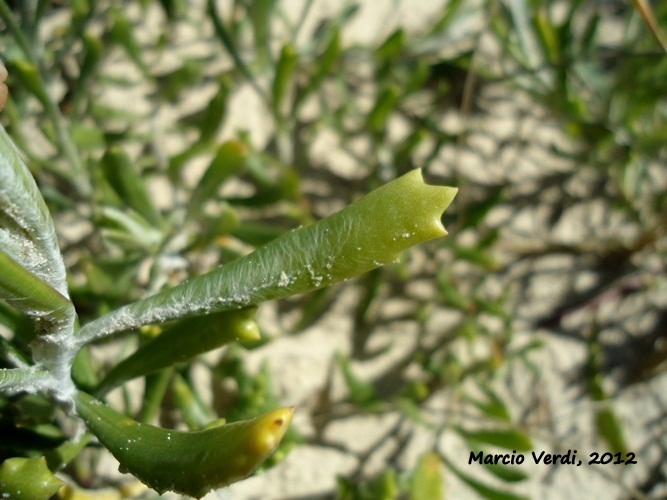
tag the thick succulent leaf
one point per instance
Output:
(27, 233)
(182, 341)
(192, 463)
(27, 478)
(32, 271)
(29, 294)
(367, 234)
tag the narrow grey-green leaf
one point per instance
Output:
(369, 233)
(21, 379)
(27, 233)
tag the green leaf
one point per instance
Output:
(27, 233)
(34, 410)
(507, 473)
(412, 411)
(23, 440)
(155, 389)
(450, 293)
(27, 479)
(170, 85)
(383, 487)
(87, 137)
(324, 65)
(284, 73)
(427, 481)
(450, 10)
(128, 184)
(9, 353)
(493, 407)
(214, 227)
(195, 414)
(21, 379)
(476, 256)
(260, 16)
(511, 439)
(547, 36)
(371, 232)
(129, 229)
(174, 9)
(610, 428)
(228, 42)
(123, 34)
(229, 161)
(384, 106)
(392, 47)
(518, 10)
(80, 9)
(181, 342)
(92, 51)
(362, 393)
(192, 463)
(476, 212)
(405, 150)
(254, 391)
(608, 425)
(209, 119)
(28, 76)
(66, 452)
(257, 233)
(488, 492)
(29, 294)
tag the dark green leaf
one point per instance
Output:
(192, 463)
(181, 342)
(27, 478)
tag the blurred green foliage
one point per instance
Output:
(592, 70)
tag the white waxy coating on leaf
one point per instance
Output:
(27, 233)
(371, 232)
(29, 243)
